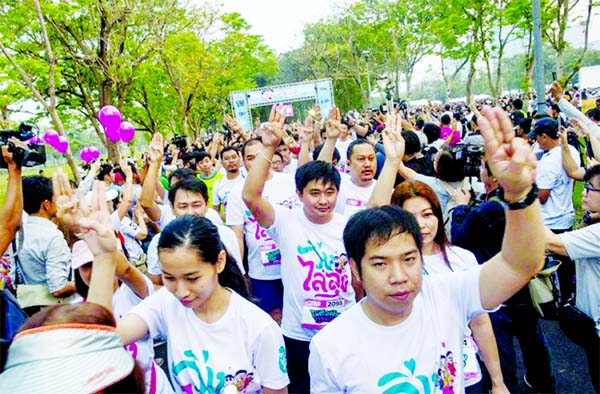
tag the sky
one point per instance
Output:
(281, 23)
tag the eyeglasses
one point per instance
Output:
(588, 188)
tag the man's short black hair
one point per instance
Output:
(517, 104)
(353, 144)
(376, 226)
(189, 184)
(181, 173)
(201, 155)
(316, 170)
(228, 149)
(445, 120)
(250, 142)
(36, 190)
(412, 144)
(104, 170)
(336, 153)
(432, 131)
(592, 172)
(419, 123)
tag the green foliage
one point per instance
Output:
(167, 67)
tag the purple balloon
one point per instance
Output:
(62, 144)
(50, 137)
(113, 134)
(126, 131)
(84, 154)
(109, 117)
(35, 140)
(94, 153)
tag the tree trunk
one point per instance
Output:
(470, 75)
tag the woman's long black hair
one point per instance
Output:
(201, 235)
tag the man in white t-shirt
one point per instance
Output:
(315, 274)
(264, 256)
(289, 163)
(190, 197)
(230, 160)
(356, 188)
(405, 335)
(556, 193)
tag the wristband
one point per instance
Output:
(523, 203)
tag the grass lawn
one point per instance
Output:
(48, 171)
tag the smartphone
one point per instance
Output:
(553, 75)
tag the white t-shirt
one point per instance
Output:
(351, 197)
(292, 167)
(128, 230)
(558, 211)
(583, 246)
(124, 299)
(264, 257)
(166, 215)
(317, 283)
(222, 188)
(243, 348)
(353, 354)
(228, 238)
(460, 260)
(342, 147)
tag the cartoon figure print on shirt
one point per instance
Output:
(195, 375)
(328, 279)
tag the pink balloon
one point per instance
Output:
(84, 154)
(113, 134)
(110, 118)
(35, 140)
(50, 137)
(126, 131)
(94, 153)
(62, 144)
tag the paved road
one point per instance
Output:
(569, 362)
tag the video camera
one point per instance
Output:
(33, 156)
(471, 156)
(180, 142)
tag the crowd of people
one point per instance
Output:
(389, 251)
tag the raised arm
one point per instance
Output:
(127, 197)
(91, 223)
(393, 145)
(513, 164)
(570, 111)
(155, 156)
(272, 133)
(10, 214)
(568, 163)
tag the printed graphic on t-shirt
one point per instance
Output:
(269, 251)
(327, 278)
(405, 380)
(195, 375)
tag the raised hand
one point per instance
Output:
(306, 132)
(393, 142)
(272, 131)
(126, 168)
(232, 123)
(90, 221)
(556, 90)
(333, 125)
(157, 146)
(510, 158)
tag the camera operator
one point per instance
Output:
(10, 214)
(479, 228)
